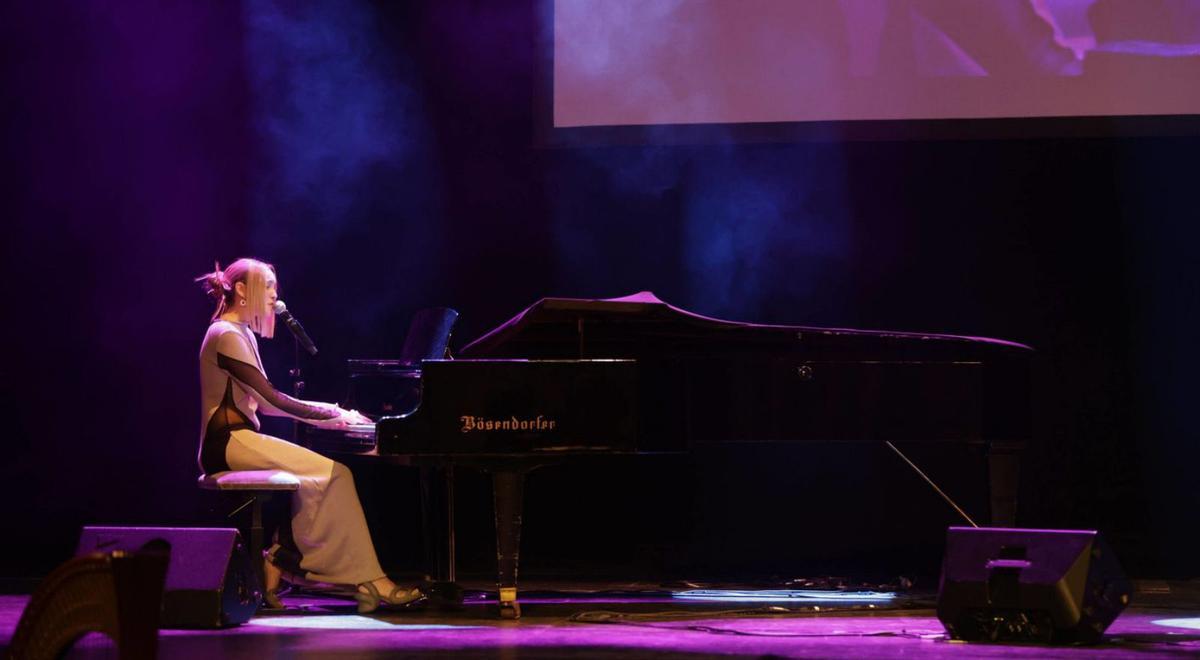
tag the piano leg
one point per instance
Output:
(1003, 479)
(508, 487)
(437, 521)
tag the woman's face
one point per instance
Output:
(271, 292)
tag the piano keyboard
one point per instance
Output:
(361, 430)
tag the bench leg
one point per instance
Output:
(255, 539)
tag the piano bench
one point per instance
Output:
(259, 485)
(250, 480)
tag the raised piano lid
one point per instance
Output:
(560, 318)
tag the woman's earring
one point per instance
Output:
(242, 302)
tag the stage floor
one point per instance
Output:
(619, 624)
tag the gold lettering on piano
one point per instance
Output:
(471, 423)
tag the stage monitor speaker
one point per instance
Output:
(1033, 585)
(209, 580)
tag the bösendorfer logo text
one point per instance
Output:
(472, 423)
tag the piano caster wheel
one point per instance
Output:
(510, 610)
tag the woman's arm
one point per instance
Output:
(237, 356)
(270, 400)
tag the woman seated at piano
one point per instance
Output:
(328, 525)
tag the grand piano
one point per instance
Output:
(567, 378)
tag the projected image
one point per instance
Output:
(639, 62)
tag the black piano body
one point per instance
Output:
(568, 377)
(707, 380)
(505, 417)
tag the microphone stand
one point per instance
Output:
(298, 435)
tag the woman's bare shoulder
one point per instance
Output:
(222, 329)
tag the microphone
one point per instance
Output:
(298, 330)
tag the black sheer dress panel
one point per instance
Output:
(228, 418)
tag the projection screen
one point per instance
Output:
(652, 62)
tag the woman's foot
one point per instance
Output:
(272, 577)
(384, 592)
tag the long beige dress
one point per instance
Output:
(327, 520)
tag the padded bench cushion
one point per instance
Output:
(250, 480)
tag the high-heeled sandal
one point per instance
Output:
(398, 598)
(270, 595)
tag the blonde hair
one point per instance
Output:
(254, 274)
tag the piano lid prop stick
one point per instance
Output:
(930, 482)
